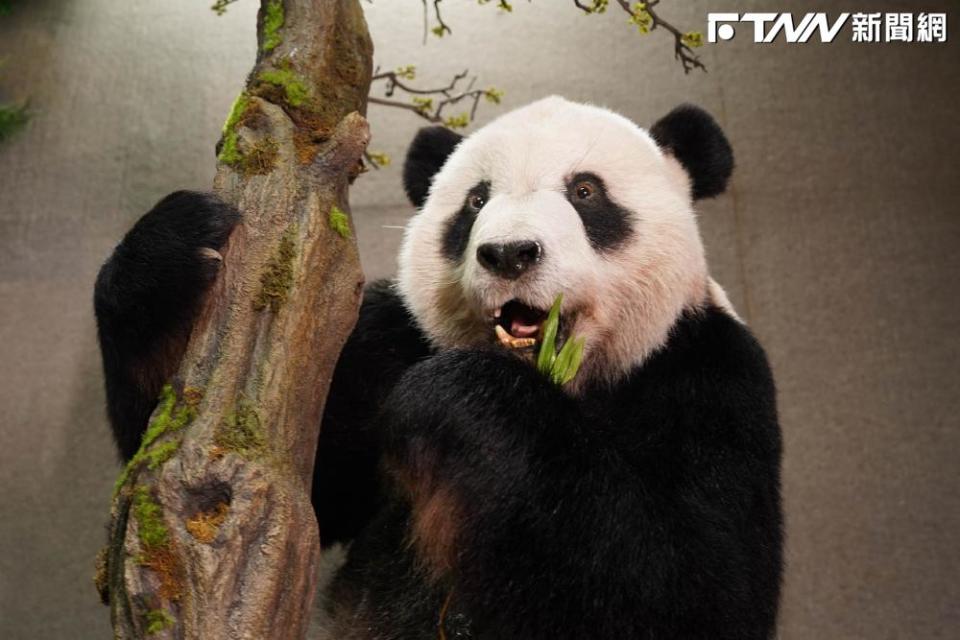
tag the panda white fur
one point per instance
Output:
(626, 270)
(480, 499)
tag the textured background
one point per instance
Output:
(838, 242)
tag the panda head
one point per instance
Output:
(558, 197)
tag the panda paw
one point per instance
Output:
(167, 261)
(470, 435)
(186, 226)
(448, 407)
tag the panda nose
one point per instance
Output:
(509, 260)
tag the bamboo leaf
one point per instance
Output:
(548, 354)
(562, 361)
(576, 357)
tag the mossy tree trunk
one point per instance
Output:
(212, 532)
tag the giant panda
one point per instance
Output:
(478, 497)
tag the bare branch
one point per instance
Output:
(393, 82)
(681, 50)
(402, 105)
(370, 161)
(426, 21)
(441, 27)
(430, 103)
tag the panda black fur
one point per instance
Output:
(640, 501)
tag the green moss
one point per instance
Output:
(156, 544)
(236, 111)
(339, 222)
(161, 453)
(151, 530)
(272, 21)
(230, 151)
(277, 278)
(294, 86)
(161, 421)
(170, 416)
(158, 620)
(240, 431)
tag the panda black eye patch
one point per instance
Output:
(456, 235)
(606, 222)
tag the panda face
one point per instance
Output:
(556, 197)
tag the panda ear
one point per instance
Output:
(427, 153)
(694, 138)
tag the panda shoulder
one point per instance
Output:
(716, 373)
(382, 295)
(726, 335)
(384, 321)
(714, 345)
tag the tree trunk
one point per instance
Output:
(212, 531)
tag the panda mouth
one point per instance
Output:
(520, 320)
(519, 326)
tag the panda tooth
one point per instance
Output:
(497, 312)
(523, 343)
(510, 342)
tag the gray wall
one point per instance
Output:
(837, 242)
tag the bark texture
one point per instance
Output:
(212, 531)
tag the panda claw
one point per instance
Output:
(211, 254)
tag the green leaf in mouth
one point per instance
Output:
(560, 367)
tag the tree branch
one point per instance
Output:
(647, 18)
(393, 82)
(432, 108)
(442, 26)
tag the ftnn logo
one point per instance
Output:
(767, 26)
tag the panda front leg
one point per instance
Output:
(146, 298)
(543, 519)
(487, 450)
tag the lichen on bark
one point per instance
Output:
(156, 544)
(240, 431)
(272, 21)
(277, 276)
(339, 222)
(171, 416)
